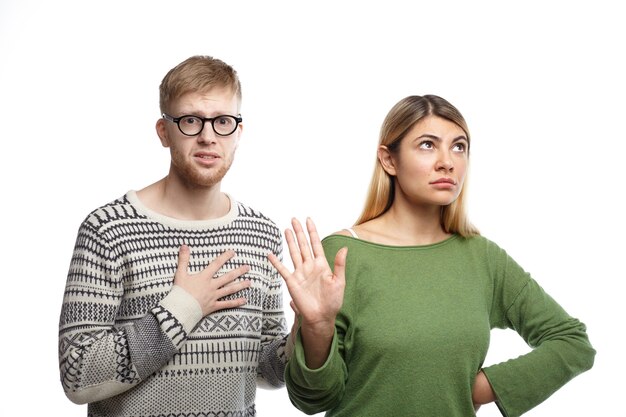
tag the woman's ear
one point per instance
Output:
(386, 160)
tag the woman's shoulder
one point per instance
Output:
(482, 241)
(339, 235)
(343, 232)
(341, 238)
(485, 248)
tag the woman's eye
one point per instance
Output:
(426, 145)
(459, 147)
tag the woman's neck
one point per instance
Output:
(405, 225)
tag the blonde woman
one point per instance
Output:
(400, 326)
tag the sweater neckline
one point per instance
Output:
(444, 242)
(131, 196)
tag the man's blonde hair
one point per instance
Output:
(199, 73)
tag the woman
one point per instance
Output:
(422, 291)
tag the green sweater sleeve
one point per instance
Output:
(560, 346)
(315, 390)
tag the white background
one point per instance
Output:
(541, 85)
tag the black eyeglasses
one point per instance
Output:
(223, 125)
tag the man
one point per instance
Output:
(171, 306)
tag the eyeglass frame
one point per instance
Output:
(238, 120)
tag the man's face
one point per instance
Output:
(204, 159)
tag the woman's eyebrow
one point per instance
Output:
(428, 136)
(438, 139)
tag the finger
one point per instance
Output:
(238, 302)
(282, 269)
(217, 263)
(232, 288)
(230, 276)
(303, 243)
(340, 264)
(183, 261)
(316, 244)
(294, 251)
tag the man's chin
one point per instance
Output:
(197, 180)
(199, 177)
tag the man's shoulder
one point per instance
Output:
(251, 215)
(118, 209)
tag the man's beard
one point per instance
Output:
(195, 176)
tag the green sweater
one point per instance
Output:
(414, 329)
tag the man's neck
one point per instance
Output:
(174, 198)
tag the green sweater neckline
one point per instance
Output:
(444, 242)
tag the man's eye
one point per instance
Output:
(224, 121)
(191, 121)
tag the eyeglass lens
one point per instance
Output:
(222, 125)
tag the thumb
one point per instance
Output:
(294, 308)
(340, 263)
(183, 260)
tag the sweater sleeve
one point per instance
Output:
(97, 358)
(276, 345)
(560, 346)
(316, 390)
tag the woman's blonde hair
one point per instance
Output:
(400, 119)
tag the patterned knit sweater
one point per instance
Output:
(131, 344)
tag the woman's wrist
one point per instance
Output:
(482, 393)
(316, 341)
(324, 329)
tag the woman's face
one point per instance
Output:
(430, 164)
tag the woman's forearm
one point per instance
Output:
(316, 341)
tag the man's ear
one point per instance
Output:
(239, 132)
(386, 160)
(162, 132)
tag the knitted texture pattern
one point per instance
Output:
(132, 344)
